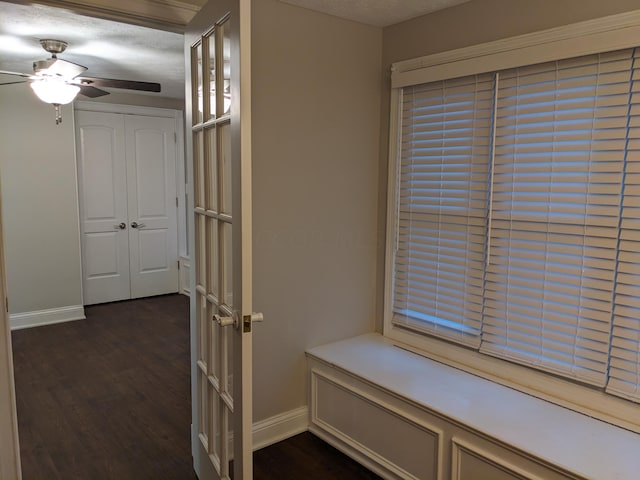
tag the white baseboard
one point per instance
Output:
(280, 427)
(274, 429)
(46, 317)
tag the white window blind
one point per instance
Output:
(518, 216)
(624, 371)
(560, 142)
(442, 205)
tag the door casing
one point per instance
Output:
(9, 446)
(131, 278)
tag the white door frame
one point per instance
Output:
(9, 446)
(243, 257)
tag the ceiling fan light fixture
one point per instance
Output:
(55, 91)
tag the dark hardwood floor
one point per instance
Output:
(109, 398)
(306, 457)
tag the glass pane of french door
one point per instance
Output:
(213, 222)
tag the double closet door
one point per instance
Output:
(128, 205)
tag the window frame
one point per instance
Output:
(584, 38)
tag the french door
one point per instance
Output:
(218, 88)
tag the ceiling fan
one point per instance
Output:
(58, 81)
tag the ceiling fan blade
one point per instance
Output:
(4, 72)
(58, 67)
(91, 92)
(114, 83)
(11, 83)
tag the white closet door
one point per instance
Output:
(103, 206)
(151, 185)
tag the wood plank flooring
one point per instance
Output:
(306, 457)
(109, 398)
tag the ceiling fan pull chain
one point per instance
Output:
(58, 113)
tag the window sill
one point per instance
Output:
(560, 391)
(559, 436)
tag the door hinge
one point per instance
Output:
(178, 262)
(6, 303)
(176, 202)
(175, 137)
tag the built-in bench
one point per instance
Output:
(406, 416)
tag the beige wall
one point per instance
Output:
(39, 203)
(480, 21)
(315, 114)
(472, 23)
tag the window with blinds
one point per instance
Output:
(442, 206)
(518, 216)
(624, 364)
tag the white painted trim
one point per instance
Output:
(586, 400)
(171, 15)
(78, 211)
(46, 317)
(357, 449)
(185, 276)
(181, 186)
(242, 236)
(127, 109)
(392, 201)
(592, 36)
(9, 446)
(200, 461)
(280, 427)
(459, 446)
(553, 438)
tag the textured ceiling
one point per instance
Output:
(124, 51)
(108, 49)
(379, 13)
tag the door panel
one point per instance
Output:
(152, 247)
(151, 166)
(151, 158)
(221, 170)
(103, 255)
(103, 206)
(103, 170)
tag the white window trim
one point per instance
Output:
(584, 38)
(610, 33)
